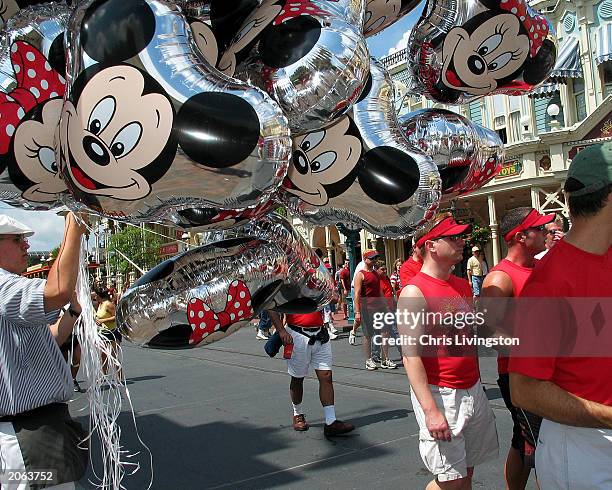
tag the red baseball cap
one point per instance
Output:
(370, 254)
(532, 220)
(446, 227)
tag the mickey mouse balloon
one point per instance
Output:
(459, 51)
(310, 55)
(467, 154)
(380, 14)
(32, 52)
(150, 128)
(202, 295)
(361, 171)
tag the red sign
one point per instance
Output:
(168, 249)
(599, 134)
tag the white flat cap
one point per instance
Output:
(10, 226)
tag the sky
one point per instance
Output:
(49, 227)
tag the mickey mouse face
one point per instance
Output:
(378, 13)
(254, 25)
(482, 52)
(34, 155)
(321, 159)
(114, 132)
(205, 40)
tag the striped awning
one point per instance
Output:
(545, 90)
(568, 61)
(603, 51)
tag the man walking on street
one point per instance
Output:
(572, 394)
(368, 301)
(476, 270)
(412, 266)
(36, 430)
(523, 230)
(457, 427)
(310, 347)
(345, 282)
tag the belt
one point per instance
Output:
(322, 335)
(50, 409)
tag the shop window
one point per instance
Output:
(502, 135)
(579, 98)
(607, 78)
(515, 126)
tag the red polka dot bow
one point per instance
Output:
(37, 82)
(295, 8)
(205, 321)
(536, 25)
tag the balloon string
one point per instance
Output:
(104, 392)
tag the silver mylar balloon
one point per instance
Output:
(310, 55)
(467, 154)
(202, 295)
(309, 286)
(380, 14)
(150, 128)
(361, 171)
(459, 51)
(32, 70)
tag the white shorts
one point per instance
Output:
(474, 435)
(319, 356)
(573, 458)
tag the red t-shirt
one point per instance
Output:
(567, 271)
(370, 286)
(408, 270)
(385, 287)
(308, 320)
(345, 277)
(518, 275)
(454, 295)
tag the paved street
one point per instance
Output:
(220, 417)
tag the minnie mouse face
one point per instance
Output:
(486, 50)
(117, 130)
(34, 155)
(321, 159)
(254, 25)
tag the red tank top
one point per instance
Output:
(442, 368)
(518, 275)
(370, 287)
(307, 320)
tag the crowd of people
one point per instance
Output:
(561, 405)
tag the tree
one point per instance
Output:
(54, 253)
(139, 245)
(480, 235)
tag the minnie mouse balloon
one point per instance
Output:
(467, 154)
(32, 77)
(309, 286)
(459, 51)
(150, 128)
(362, 171)
(382, 13)
(310, 55)
(202, 295)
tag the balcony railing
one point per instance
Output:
(394, 59)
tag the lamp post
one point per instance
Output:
(553, 111)
(352, 239)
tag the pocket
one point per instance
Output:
(464, 414)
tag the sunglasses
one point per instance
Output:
(453, 238)
(537, 228)
(16, 239)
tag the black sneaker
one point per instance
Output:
(77, 387)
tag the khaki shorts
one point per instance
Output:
(474, 435)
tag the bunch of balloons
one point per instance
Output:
(208, 114)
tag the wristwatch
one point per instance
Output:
(73, 313)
